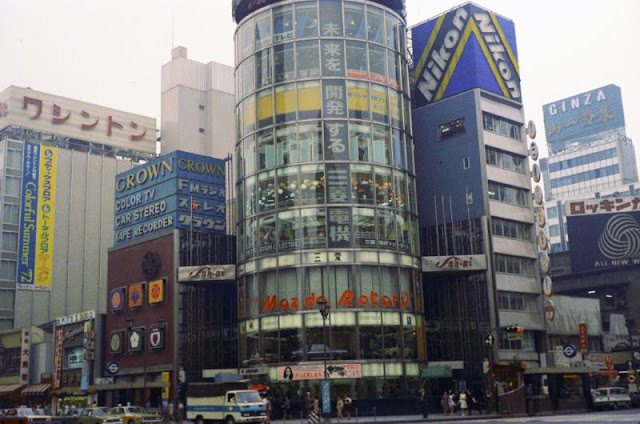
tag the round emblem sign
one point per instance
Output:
(631, 378)
(549, 310)
(544, 263)
(546, 286)
(542, 237)
(115, 343)
(537, 195)
(535, 173)
(112, 368)
(569, 350)
(534, 151)
(531, 130)
(540, 218)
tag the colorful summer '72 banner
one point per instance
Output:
(35, 252)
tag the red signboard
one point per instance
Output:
(584, 345)
(57, 358)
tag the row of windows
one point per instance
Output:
(527, 344)
(306, 100)
(521, 302)
(511, 229)
(330, 183)
(507, 194)
(585, 176)
(516, 265)
(312, 228)
(356, 141)
(506, 160)
(502, 126)
(285, 23)
(583, 160)
(554, 230)
(302, 60)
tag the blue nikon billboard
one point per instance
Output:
(583, 115)
(465, 48)
(601, 240)
(177, 190)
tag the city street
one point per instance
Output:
(613, 417)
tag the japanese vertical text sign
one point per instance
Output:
(35, 259)
(177, 190)
(465, 48)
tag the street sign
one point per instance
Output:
(569, 350)
(112, 368)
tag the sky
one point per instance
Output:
(110, 53)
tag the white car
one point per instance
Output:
(611, 397)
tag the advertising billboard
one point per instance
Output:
(604, 233)
(467, 47)
(582, 115)
(177, 190)
(37, 213)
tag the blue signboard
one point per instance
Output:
(582, 115)
(604, 241)
(177, 190)
(465, 48)
(28, 214)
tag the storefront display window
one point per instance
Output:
(384, 186)
(288, 186)
(288, 230)
(364, 227)
(314, 233)
(267, 233)
(386, 228)
(311, 185)
(266, 191)
(362, 184)
(286, 145)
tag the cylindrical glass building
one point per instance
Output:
(326, 196)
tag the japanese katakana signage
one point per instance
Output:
(37, 213)
(178, 190)
(51, 114)
(604, 233)
(582, 115)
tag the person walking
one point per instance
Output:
(286, 408)
(339, 407)
(347, 405)
(464, 406)
(424, 403)
(444, 403)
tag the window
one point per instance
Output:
(12, 186)
(282, 23)
(263, 30)
(201, 107)
(521, 302)
(583, 160)
(450, 129)
(516, 265)
(364, 227)
(506, 160)
(507, 194)
(375, 25)
(360, 140)
(307, 59)
(511, 229)
(356, 59)
(313, 227)
(201, 130)
(466, 162)
(306, 20)
(14, 159)
(377, 63)
(358, 99)
(354, 22)
(266, 153)
(585, 176)
(8, 270)
(526, 344)
(554, 230)
(264, 73)
(11, 214)
(10, 241)
(362, 184)
(502, 126)
(284, 62)
(552, 212)
(310, 140)
(266, 191)
(381, 145)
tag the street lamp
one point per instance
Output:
(323, 307)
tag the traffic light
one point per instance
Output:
(514, 332)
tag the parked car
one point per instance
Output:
(316, 352)
(611, 397)
(69, 417)
(135, 415)
(22, 414)
(98, 415)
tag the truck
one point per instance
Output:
(227, 402)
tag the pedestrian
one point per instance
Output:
(444, 403)
(339, 407)
(473, 403)
(347, 405)
(424, 403)
(452, 402)
(308, 403)
(267, 407)
(286, 408)
(464, 406)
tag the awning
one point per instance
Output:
(560, 370)
(613, 373)
(9, 388)
(36, 389)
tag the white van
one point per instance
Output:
(611, 397)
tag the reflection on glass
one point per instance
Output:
(287, 148)
(250, 192)
(249, 155)
(311, 185)
(266, 191)
(392, 32)
(263, 30)
(246, 38)
(384, 187)
(265, 108)
(306, 20)
(379, 109)
(310, 139)
(401, 190)
(362, 184)
(360, 142)
(249, 114)
(287, 186)
(248, 76)
(286, 103)
(288, 235)
(266, 151)
(267, 233)
(307, 59)
(282, 23)
(375, 24)
(284, 63)
(356, 59)
(314, 233)
(386, 228)
(251, 237)
(264, 74)
(354, 22)
(364, 227)
(381, 145)
(370, 342)
(309, 100)
(377, 64)
(402, 225)
(398, 149)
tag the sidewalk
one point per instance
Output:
(415, 418)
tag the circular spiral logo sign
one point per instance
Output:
(620, 238)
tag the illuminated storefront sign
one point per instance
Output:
(454, 263)
(206, 272)
(37, 217)
(315, 372)
(348, 299)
